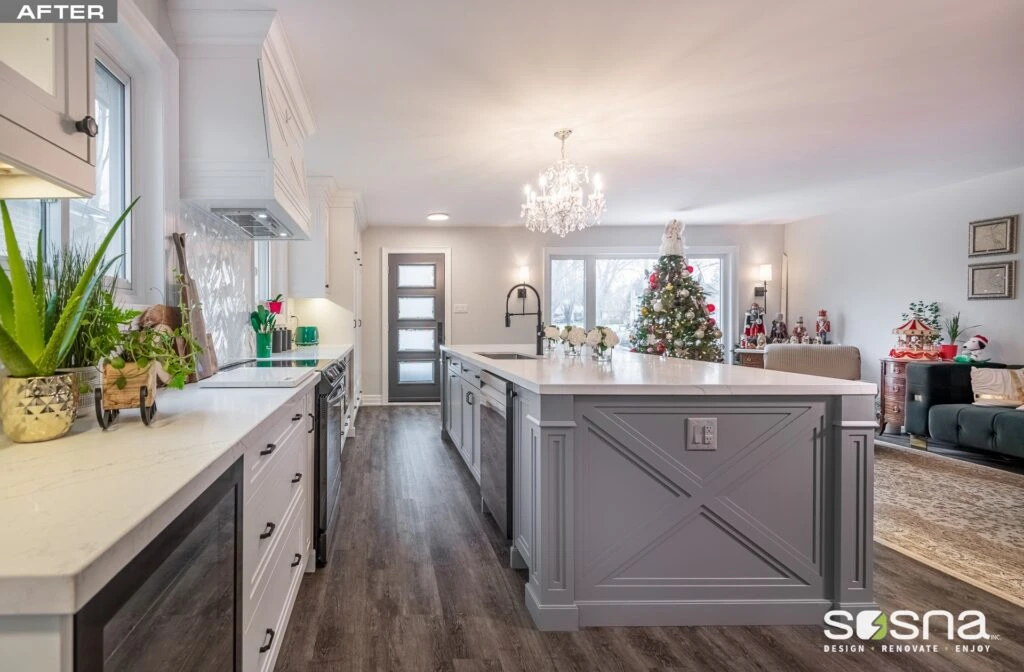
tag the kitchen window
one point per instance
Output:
(590, 287)
(86, 221)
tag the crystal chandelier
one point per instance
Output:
(561, 207)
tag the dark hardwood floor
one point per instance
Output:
(420, 581)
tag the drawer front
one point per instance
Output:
(896, 369)
(266, 628)
(894, 410)
(265, 443)
(751, 360)
(896, 389)
(267, 510)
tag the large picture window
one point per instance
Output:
(588, 288)
(86, 221)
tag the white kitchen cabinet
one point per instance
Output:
(277, 528)
(470, 446)
(346, 224)
(453, 408)
(525, 406)
(47, 148)
(309, 262)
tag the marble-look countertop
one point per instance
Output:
(76, 510)
(635, 374)
(334, 351)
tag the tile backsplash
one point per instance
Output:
(220, 261)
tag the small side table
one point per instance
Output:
(893, 395)
(750, 357)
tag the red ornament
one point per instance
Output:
(689, 269)
(653, 280)
(711, 307)
(711, 321)
(660, 348)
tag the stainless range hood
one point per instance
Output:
(244, 121)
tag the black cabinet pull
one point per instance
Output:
(298, 559)
(269, 449)
(298, 477)
(269, 531)
(297, 417)
(312, 423)
(88, 126)
(269, 642)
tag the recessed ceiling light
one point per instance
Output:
(438, 217)
(283, 234)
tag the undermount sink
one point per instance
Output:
(505, 355)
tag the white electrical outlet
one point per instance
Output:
(461, 308)
(702, 433)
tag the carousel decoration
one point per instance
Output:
(915, 341)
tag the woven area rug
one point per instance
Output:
(963, 519)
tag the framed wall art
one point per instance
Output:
(994, 280)
(993, 236)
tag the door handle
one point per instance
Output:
(298, 477)
(360, 322)
(298, 559)
(269, 642)
(269, 449)
(296, 417)
(312, 423)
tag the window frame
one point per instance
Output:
(726, 314)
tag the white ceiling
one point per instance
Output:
(715, 111)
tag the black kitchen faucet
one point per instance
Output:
(521, 294)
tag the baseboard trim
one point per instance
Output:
(663, 613)
(549, 618)
(372, 400)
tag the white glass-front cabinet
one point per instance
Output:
(46, 124)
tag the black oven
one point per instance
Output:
(332, 407)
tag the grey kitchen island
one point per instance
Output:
(650, 491)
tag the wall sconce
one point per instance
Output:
(524, 277)
(764, 276)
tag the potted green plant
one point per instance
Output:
(954, 334)
(37, 404)
(101, 326)
(139, 358)
(262, 321)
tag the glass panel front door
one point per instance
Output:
(415, 326)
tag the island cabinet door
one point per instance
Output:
(667, 511)
(454, 398)
(522, 478)
(470, 422)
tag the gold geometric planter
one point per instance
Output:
(38, 409)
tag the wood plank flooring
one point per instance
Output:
(419, 580)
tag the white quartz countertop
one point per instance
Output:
(635, 373)
(314, 352)
(76, 510)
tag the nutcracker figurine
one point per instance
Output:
(779, 333)
(754, 323)
(799, 330)
(823, 326)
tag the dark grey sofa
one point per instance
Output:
(939, 406)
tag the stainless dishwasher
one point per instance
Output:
(496, 434)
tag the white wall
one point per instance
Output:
(486, 261)
(867, 264)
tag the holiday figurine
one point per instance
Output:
(779, 333)
(762, 341)
(823, 326)
(672, 240)
(974, 350)
(799, 330)
(754, 323)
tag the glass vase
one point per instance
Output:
(572, 350)
(602, 354)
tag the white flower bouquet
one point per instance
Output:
(602, 340)
(551, 334)
(575, 337)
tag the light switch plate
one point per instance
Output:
(702, 434)
(461, 308)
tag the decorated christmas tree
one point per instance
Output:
(675, 319)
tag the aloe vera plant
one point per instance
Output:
(28, 347)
